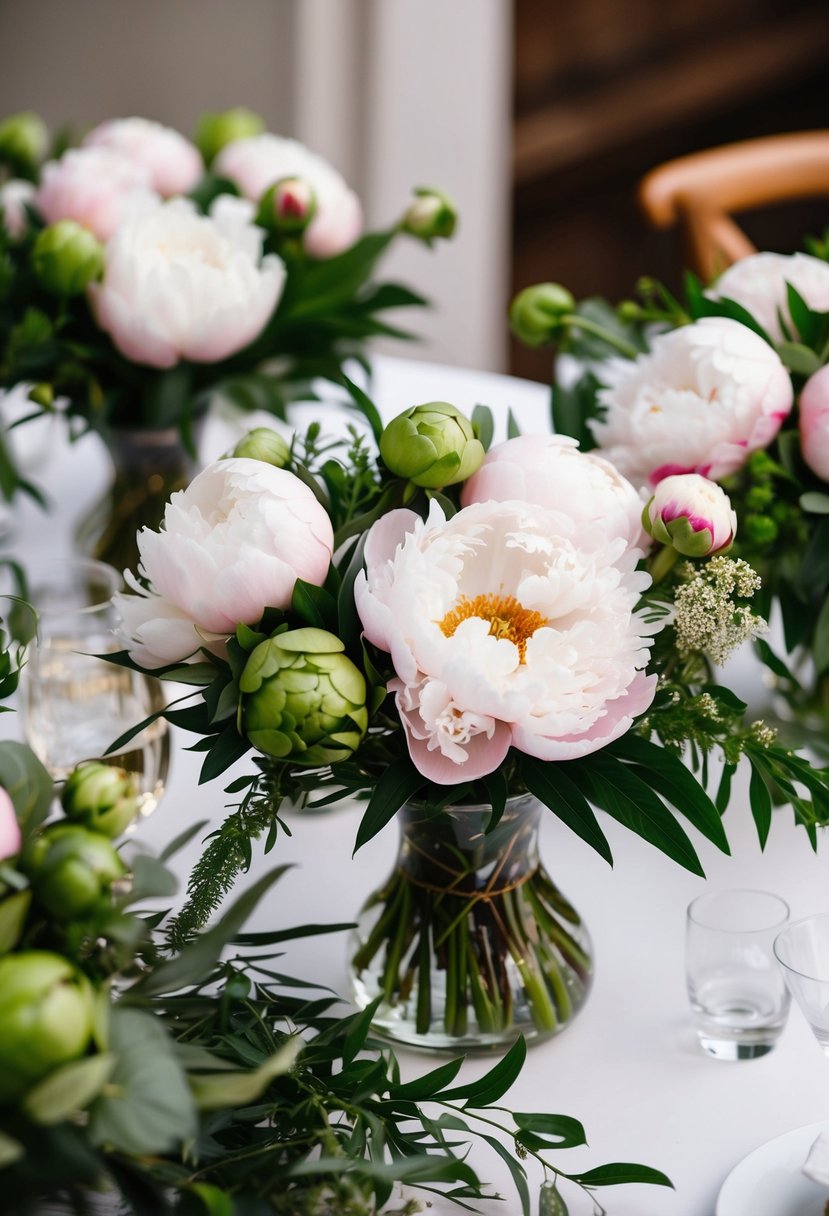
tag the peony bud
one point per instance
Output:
(15, 196)
(46, 1018)
(214, 131)
(23, 139)
(66, 258)
(71, 869)
(9, 827)
(814, 423)
(432, 215)
(692, 514)
(432, 445)
(303, 699)
(101, 797)
(287, 207)
(536, 314)
(266, 444)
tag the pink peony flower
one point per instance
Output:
(759, 284)
(95, 187)
(508, 625)
(10, 838)
(260, 161)
(231, 545)
(814, 423)
(691, 513)
(179, 285)
(14, 195)
(172, 162)
(699, 401)
(550, 471)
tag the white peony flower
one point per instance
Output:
(550, 471)
(231, 545)
(699, 401)
(174, 164)
(256, 163)
(179, 285)
(14, 195)
(96, 187)
(507, 625)
(759, 284)
(814, 423)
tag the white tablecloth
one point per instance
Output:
(629, 1066)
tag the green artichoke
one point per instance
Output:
(46, 1018)
(303, 699)
(101, 797)
(432, 445)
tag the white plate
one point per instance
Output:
(769, 1182)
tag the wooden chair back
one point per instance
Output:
(699, 192)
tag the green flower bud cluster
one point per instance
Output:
(303, 699)
(71, 869)
(67, 258)
(537, 313)
(46, 1018)
(431, 216)
(432, 445)
(265, 444)
(101, 797)
(23, 140)
(214, 131)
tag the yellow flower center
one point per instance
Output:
(507, 618)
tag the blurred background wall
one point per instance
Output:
(538, 116)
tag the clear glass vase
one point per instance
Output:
(148, 466)
(469, 943)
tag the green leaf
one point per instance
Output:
(10, 1150)
(760, 800)
(220, 1090)
(13, 911)
(497, 791)
(314, 606)
(358, 1032)
(147, 1107)
(552, 786)
(806, 321)
(150, 878)
(798, 358)
(492, 1085)
(820, 648)
(216, 1202)
(815, 503)
(513, 429)
(550, 1202)
(619, 1172)
(201, 954)
(400, 782)
(27, 783)
(573, 407)
(611, 786)
(667, 774)
(69, 1089)
(483, 425)
(182, 840)
(566, 1131)
(229, 747)
(429, 1085)
(365, 406)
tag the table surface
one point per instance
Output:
(629, 1067)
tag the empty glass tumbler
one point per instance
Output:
(738, 997)
(802, 949)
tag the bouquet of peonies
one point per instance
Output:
(458, 635)
(730, 384)
(197, 1080)
(140, 273)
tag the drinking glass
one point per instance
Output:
(738, 997)
(75, 705)
(802, 950)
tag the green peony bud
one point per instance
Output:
(23, 140)
(71, 869)
(66, 258)
(430, 216)
(266, 444)
(101, 797)
(432, 445)
(214, 131)
(46, 1018)
(287, 207)
(303, 699)
(536, 313)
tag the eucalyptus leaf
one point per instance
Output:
(27, 783)
(220, 1090)
(69, 1089)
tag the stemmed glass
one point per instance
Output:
(74, 705)
(802, 950)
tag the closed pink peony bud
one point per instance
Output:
(814, 423)
(172, 162)
(10, 838)
(692, 514)
(96, 187)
